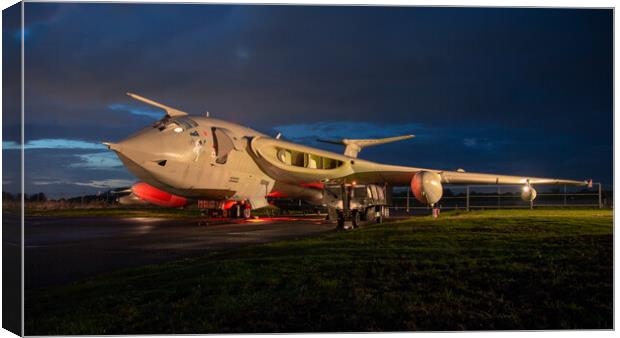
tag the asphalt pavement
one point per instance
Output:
(61, 250)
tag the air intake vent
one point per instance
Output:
(162, 163)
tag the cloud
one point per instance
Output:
(57, 143)
(104, 183)
(554, 76)
(48, 182)
(107, 160)
(107, 183)
(477, 143)
(156, 115)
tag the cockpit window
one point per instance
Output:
(185, 122)
(178, 124)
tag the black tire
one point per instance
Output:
(371, 214)
(356, 219)
(340, 218)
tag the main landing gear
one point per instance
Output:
(351, 206)
(223, 211)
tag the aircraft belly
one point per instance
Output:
(311, 195)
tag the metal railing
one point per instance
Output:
(503, 197)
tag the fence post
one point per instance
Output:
(564, 194)
(407, 200)
(467, 199)
(600, 197)
(498, 197)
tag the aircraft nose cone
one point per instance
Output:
(155, 156)
(142, 147)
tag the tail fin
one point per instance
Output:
(353, 147)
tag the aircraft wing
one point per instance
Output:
(397, 175)
(297, 164)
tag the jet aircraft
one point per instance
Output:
(181, 159)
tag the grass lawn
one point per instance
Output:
(510, 269)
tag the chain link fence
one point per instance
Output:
(471, 197)
(475, 197)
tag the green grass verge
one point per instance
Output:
(541, 269)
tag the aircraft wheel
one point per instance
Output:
(371, 214)
(356, 219)
(379, 218)
(385, 211)
(247, 213)
(340, 218)
(332, 215)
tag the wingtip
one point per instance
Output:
(110, 145)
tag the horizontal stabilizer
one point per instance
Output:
(353, 147)
(169, 110)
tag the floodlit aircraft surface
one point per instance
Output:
(182, 158)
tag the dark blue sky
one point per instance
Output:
(515, 91)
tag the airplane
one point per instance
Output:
(183, 158)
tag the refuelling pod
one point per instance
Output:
(528, 193)
(426, 187)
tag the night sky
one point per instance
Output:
(513, 91)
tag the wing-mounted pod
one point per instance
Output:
(353, 146)
(426, 187)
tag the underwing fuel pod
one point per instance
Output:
(182, 159)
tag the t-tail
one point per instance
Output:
(353, 147)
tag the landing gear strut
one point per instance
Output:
(352, 205)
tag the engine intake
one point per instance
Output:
(426, 187)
